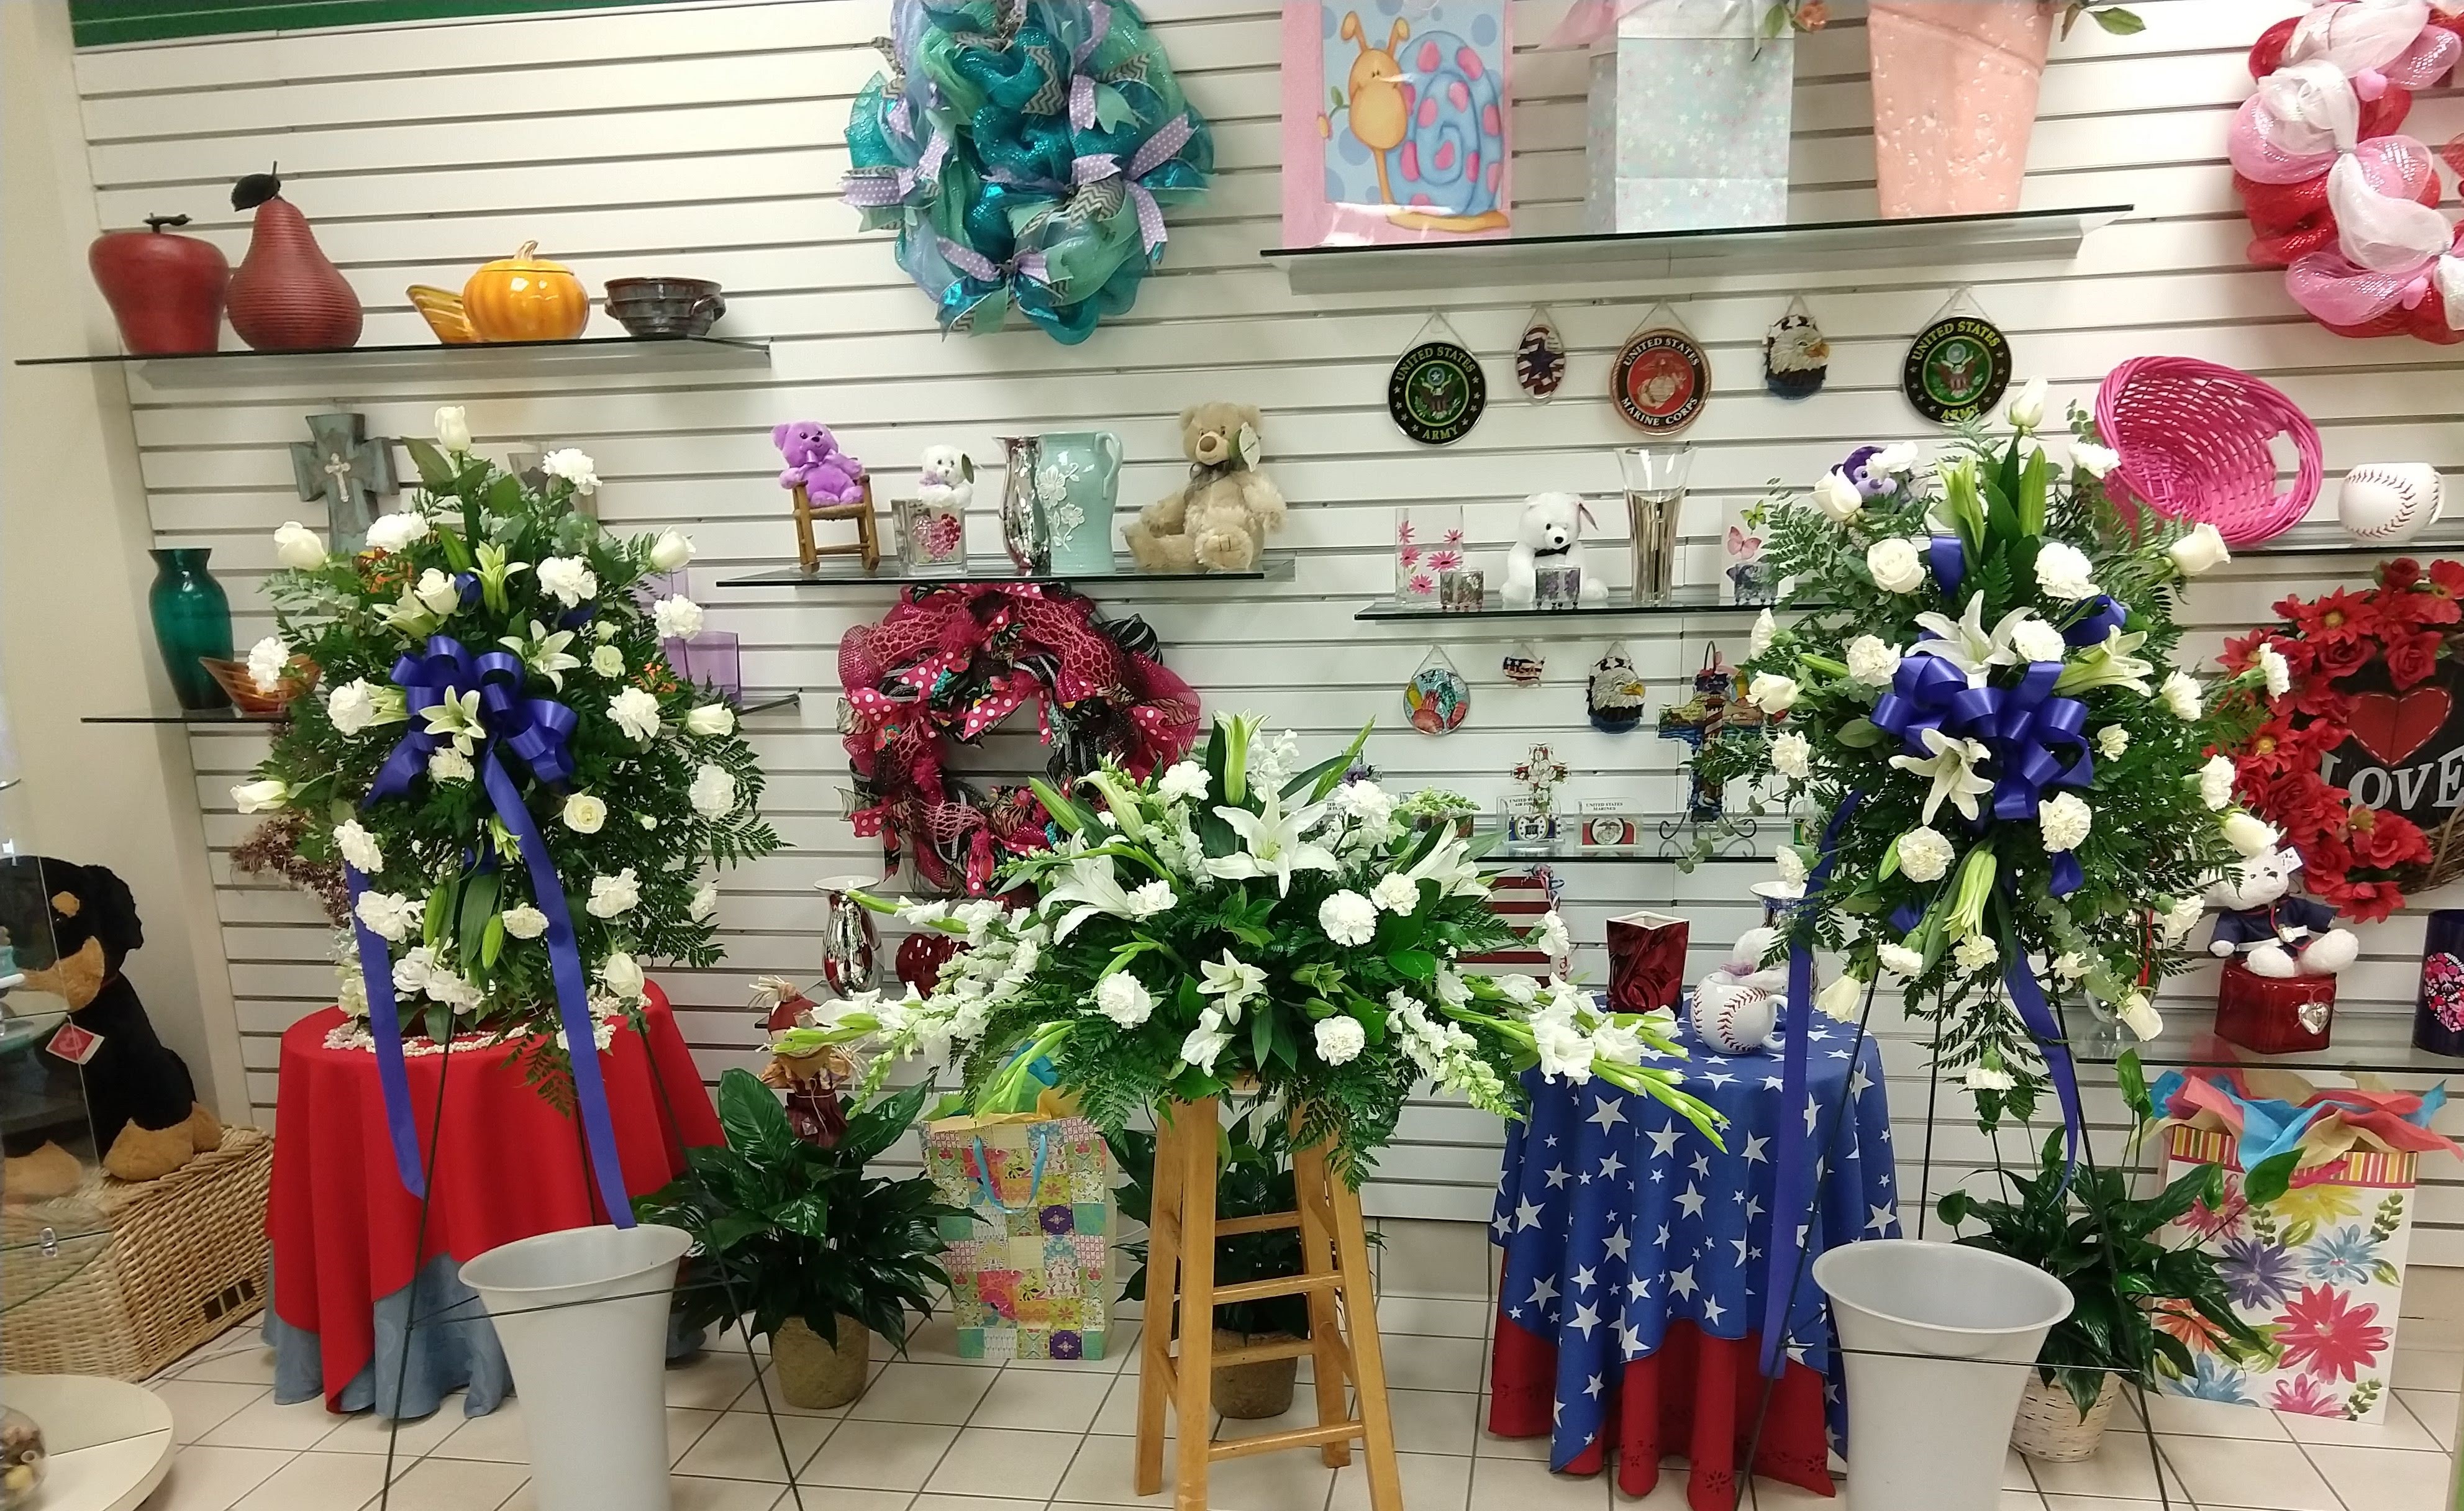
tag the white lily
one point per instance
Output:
(1274, 846)
(1968, 645)
(1095, 889)
(543, 652)
(2108, 665)
(1952, 769)
(457, 718)
(1449, 865)
(1234, 981)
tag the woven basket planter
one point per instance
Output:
(1253, 1391)
(815, 1375)
(185, 1258)
(2049, 1427)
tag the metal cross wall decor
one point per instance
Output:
(346, 468)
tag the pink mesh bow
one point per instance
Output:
(2376, 44)
(2391, 252)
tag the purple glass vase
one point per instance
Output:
(709, 660)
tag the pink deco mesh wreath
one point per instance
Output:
(2195, 443)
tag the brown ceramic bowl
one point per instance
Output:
(665, 307)
(233, 675)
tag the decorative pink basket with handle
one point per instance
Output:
(2194, 439)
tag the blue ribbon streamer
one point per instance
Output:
(536, 731)
(1948, 559)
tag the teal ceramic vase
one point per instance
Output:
(1077, 473)
(191, 620)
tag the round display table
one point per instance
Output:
(107, 1443)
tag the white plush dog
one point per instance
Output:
(948, 478)
(1551, 533)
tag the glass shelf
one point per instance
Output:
(433, 361)
(2362, 1045)
(2026, 236)
(994, 571)
(756, 701)
(2299, 545)
(1571, 850)
(1702, 600)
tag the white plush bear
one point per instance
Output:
(1552, 532)
(1737, 1005)
(2277, 933)
(948, 478)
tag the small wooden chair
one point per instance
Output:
(1181, 1262)
(867, 543)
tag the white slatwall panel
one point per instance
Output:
(707, 139)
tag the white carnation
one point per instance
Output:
(1981, 1079)
(712, 792)
(569, 580)
(358, 846)
(2111, 741)
(2035, 641)
(676, 617)
(2063, 572)
(2183, 917)
(1397, 893)
(1792, 754)
(2217, 782)
(1340, 1038)
(1792, 865)
(525, 921)
(390, 915)
(1363, 803)
(2063, 820)
(1124, 998)
(445, 763)
(397, 532)
(574, 467)
(2278, 673)
(352, 707)
(2179, 692)
(1154, 897)
(1900, 960)
(1183, 782)
(615, 896)
(1347, 918)
(636, 712)
(267, 660)
(705, 903)
(1975, 952)
(1873, 661)
(2097, 461)
(1924, 854)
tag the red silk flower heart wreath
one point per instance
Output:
(2361, 692)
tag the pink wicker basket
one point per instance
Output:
(2194, 439)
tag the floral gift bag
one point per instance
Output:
(1030, 1265)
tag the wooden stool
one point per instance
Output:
(867, 543)
(1180, 1245)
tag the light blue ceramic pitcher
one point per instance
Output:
(1077, 473)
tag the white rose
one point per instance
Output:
(396, 531)
(1340, 1038)
(670, 551)
(2217, 782)
(1347, 918)
(2063, 572)
(525, 921)
(583, 814)
(574, 467)
(1765, 630)
(296, 547)
(711, 720)
(1838, 999)
(623, 975)
(712, 792)
(1771, 692)
(2277, 671)
(1397, 893)
(2064, 820)
(267, 661)
(1873, 661)
(2111, 741)
(1900, 960)
(1981, 1079)
(1924, 854)
(358, 847)
(607, 661)
(1900, 457)
(568, 579)
(1837, 497)
(1183, 782)
(704, 905)
(636, 712)
(2179, 692)
(2097, 461)
(389, 915)
(1897, 566)
(2201, 550)
(2035, 641)
(452, 426)
(260, 796)
(2249, 835)
(2070, 965)
(2028, 410)
(2183, 917)
(1792, 754)
(352, 707)
(612, 896)
(438, 594)
(2141, 1019)
(677, 618)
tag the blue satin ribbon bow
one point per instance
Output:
(535, 732)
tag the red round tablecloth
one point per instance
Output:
(507, 1167)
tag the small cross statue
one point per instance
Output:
(1712, 708)
(346, 468)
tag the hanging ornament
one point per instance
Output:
(1540, 357)
(1958, 366)
(1437, 695)
(1661, 379)
(1616, 695)
(1437, 393)
(1524, 663)
(1795, 356)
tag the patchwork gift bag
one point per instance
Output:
(1030, 1264)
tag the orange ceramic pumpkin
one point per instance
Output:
(525, 298)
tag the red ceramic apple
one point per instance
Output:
(166, 291)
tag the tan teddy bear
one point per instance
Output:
(1218, 521)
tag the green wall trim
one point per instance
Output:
(97, 23)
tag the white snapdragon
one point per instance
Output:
(1551, 936)
(2064, 819)
(1872, 661)
(1340, 1038)
(1565, 1050)
(615, 896)
(1347, 918)
(1924, 854)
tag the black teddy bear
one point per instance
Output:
(148, 1122)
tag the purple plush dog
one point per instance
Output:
(829, 475)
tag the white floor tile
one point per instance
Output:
(498, 1437)
(2094, 1504)
(2398, 1430)
(880, 1455)
(839, 1498)
(319, 1482)
(1005, 1461)
(938, 1394)
(2435, 1411)
(232, 1363)
(765, 1387)
(2192, 1418)
(1527, 1487)
(687, 1494)
(212, 1478)
(2119, 1470)
(1103, 1474)
(262, 1424)
(1433, 1364)
(1431, 1483)
(2020, 1500)
(366, 1432)
(2382, 1479)
(1045, 1400)
(2219, 1472)
(1434, 1421)
(711, 1382)
(1485, 1444)
(457, 1484)
(1433, 1316)
(2428, 1368)
(2015, 1471)
(934, 1502)
(1118, 1416)
(200, 1406)
(742, 1445)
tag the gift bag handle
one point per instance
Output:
(1034, 1179)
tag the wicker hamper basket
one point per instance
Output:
(186, 1258)
(2050, 1429)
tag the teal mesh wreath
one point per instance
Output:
(1023, 151)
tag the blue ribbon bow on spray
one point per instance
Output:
(534, 731)
(2035, 741)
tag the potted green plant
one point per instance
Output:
(796, 1234)
(1254, 1177)
(2132, 1298)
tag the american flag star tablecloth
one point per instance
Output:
(1637, 1258)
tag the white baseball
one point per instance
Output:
(2388, 502)
(1731, 1015)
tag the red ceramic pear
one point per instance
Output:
(288, 296)
(166, 291)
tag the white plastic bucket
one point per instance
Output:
(1929, 1433)
(583, 1318)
